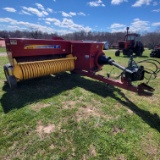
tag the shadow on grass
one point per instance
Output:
(153, 120)
(30, 91)
(134, 56)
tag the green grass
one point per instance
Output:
(71, 117)
(2, 49)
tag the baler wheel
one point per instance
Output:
(6, 70)
(11, 80)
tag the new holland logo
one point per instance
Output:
(42, 46)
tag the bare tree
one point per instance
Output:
(151, 39)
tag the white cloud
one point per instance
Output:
(64, 14)
(40, 6)
(136, 26)
(21, 25)
(116, 25)
(155, 3)
(70, 14)
(7, 20)
(54, 21)
(117, 2)
(50, 10)
(81, 14)
(156, 10)
(96, 3)
(156, 24)
(68, 23)
(48, 23)
(9, 9)
(139, 3)
(24, 12)
(14, 27)
(40, 11)
(139, 25)
(35, 11)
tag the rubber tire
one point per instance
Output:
(11, 80)
(5, 68)
(117, 53)
(129, 53)
(139, 53)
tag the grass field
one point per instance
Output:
(2, 49)
(71, 117)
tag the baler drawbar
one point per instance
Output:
(31, 58)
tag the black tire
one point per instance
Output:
(5, 68)
(11, 80)
(139, 54)
(139, 51)
(152, 54)
(129, 53)
(6, 72)
(117, 53)
(72, 72)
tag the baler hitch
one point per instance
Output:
(131, 73)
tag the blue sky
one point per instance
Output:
(67, 16)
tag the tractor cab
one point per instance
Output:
(131, 40)
(132, 37)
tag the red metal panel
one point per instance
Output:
(20, 47)
(86, 55)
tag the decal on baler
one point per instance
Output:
(13, 42)
(28, 46)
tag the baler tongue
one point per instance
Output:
(144, 89)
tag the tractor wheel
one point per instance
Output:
(129, 52)
(11, 80)
(117, 53)
(139, 52)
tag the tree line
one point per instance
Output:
(149, 39)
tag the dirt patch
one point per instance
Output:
(52, 146)
(150, 147)
(3, 54)
(41, 129)
(87, 111)
(68, 105)
(130, 111)
(84, 157)
(38, 106)
(116, 130)
(92, 150)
